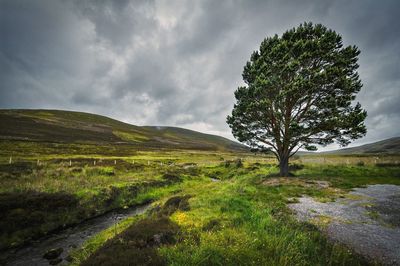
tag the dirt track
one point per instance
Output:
(367, 221)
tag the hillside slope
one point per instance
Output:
(83, 128)
(387, 146)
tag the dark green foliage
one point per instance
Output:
(299, 93)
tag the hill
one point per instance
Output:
(67, 127)
(387, 146)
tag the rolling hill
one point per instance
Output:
(56, 126)
(387, 146)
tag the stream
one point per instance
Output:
(69, 238)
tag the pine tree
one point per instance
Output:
(299, 93)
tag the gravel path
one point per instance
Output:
(368, 221)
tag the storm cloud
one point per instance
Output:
(178, 63)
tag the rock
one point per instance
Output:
(55, 261)
(53, 253)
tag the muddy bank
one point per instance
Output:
(367, 221)
(64, 241)
(138, 244)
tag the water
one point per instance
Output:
(69, 238)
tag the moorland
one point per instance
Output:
(210, 200)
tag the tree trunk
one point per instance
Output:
(284, 166)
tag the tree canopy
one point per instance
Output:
(299, 93)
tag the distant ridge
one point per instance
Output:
(60, 126)
(387, 146)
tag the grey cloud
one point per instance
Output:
(118, 21)
(178, 62)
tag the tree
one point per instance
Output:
(299, 93)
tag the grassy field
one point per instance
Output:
(210, 208)
(241, 220)
(43, 192)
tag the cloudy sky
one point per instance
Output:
(178, 63)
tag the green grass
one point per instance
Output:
(349, 176)
(240, 220)
(27, 189)
(70, 166)
(135, 137)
